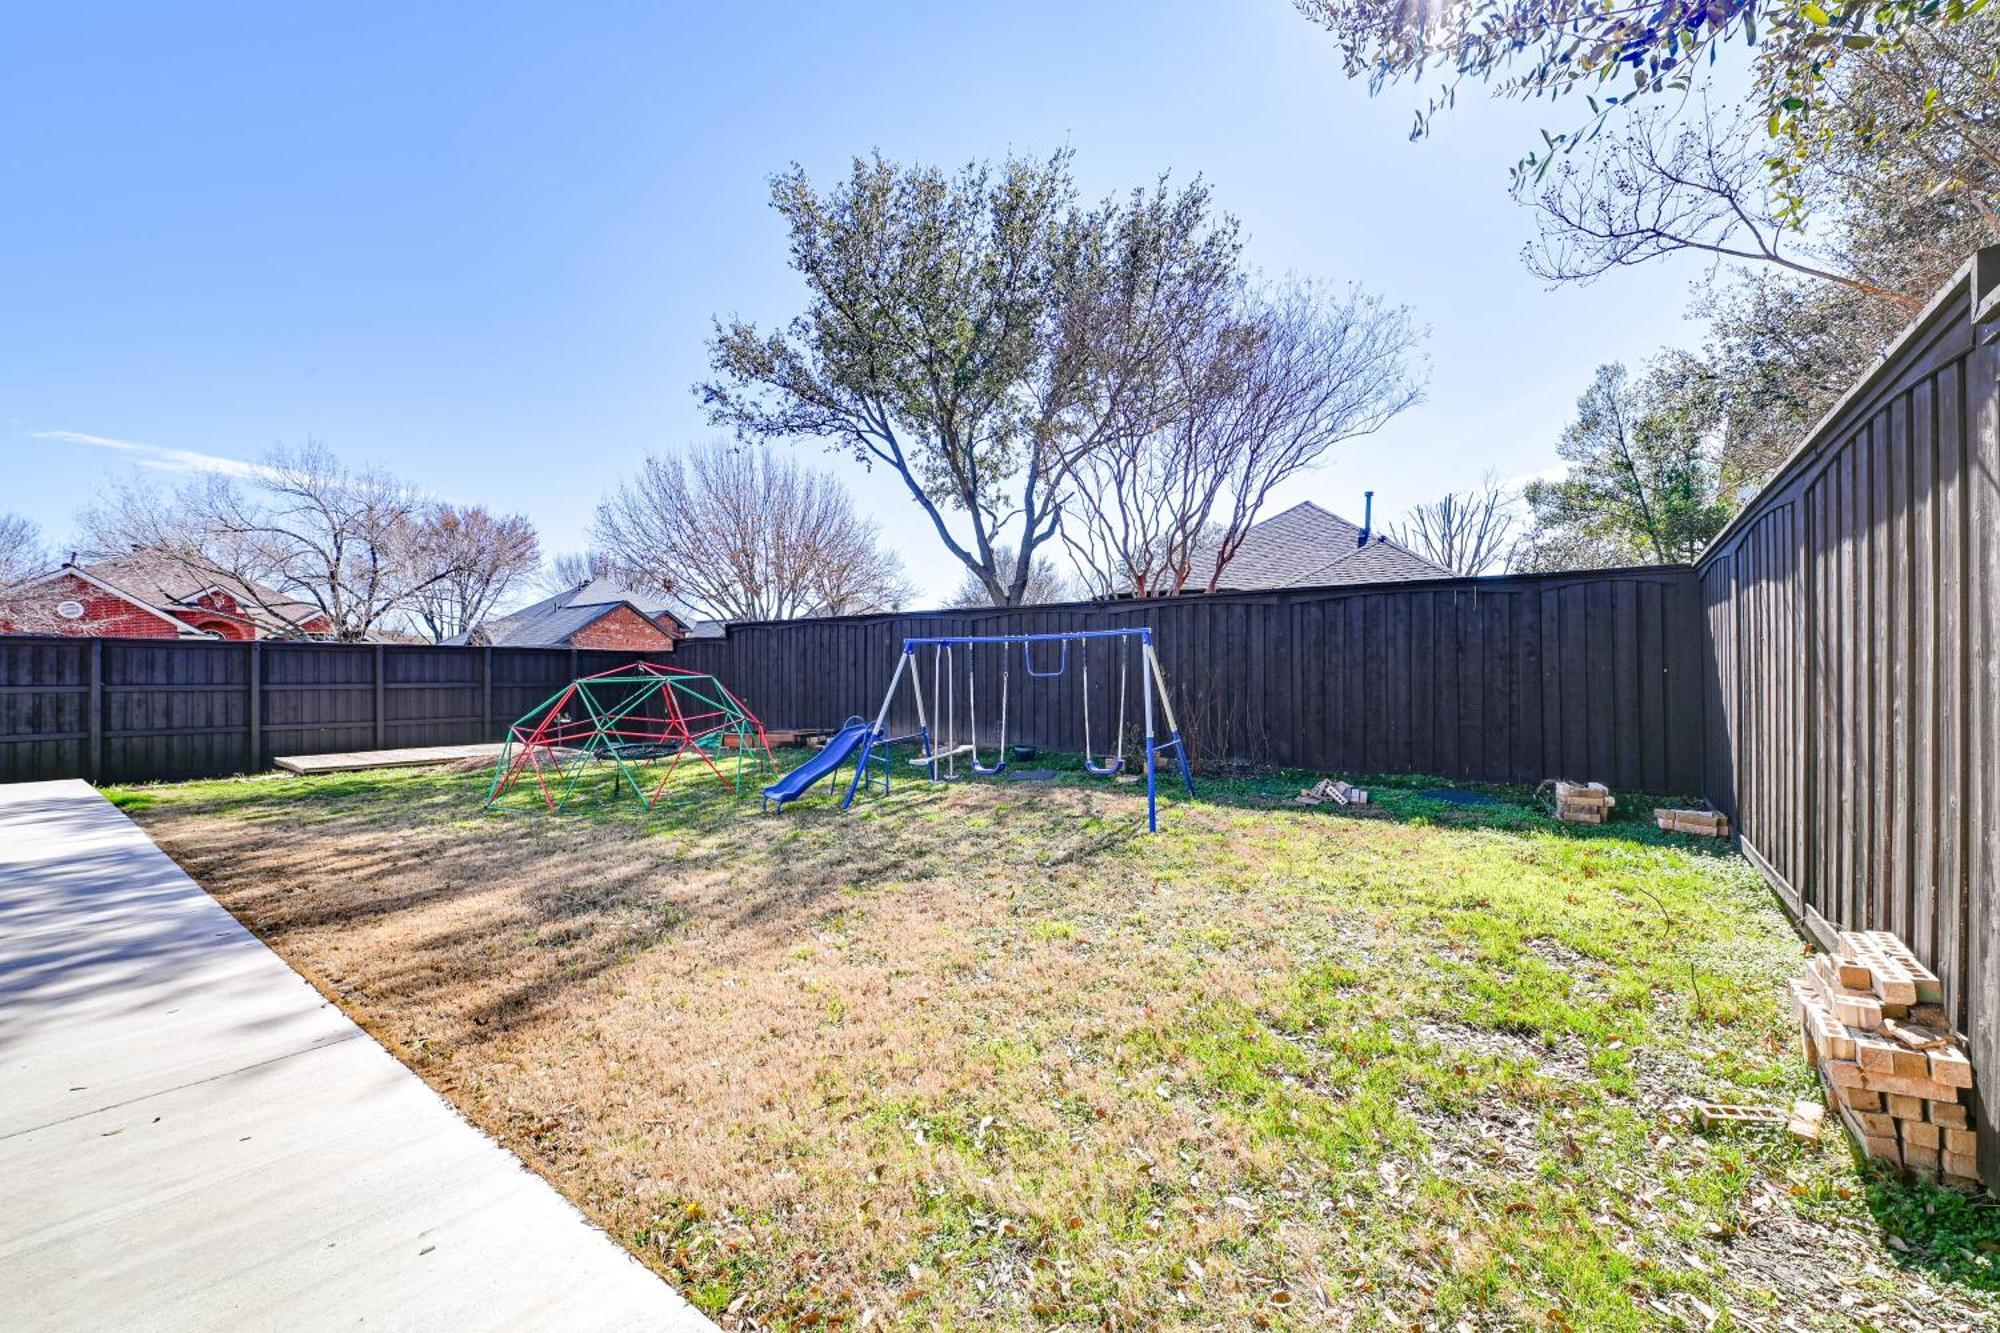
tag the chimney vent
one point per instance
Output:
(1367, 518)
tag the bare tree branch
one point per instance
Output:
(1471, 533)
(1261, 389)
(302, 531)
(1668, 183)
(744, 534)
(477, 559)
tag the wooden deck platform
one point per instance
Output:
(355, 760)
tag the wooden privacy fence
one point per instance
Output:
(1512, 678)
(130, 710)
(1854, 683)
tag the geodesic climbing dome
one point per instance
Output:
(634, 718)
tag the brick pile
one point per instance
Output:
(1707, 823)
(1873, 1023)
(1331, 789)
(1584, 802)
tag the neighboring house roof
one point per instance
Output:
(158, 584)
(161, 581)
(553, 621)
(1309, 547)
(606, 592)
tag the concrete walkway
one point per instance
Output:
(192, 1138)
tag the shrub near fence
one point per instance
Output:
(134, 710)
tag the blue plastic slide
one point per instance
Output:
(837, 751)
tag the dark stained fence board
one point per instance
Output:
(1384, 678)
(1854, 673)
(163, 710)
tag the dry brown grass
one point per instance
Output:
(988, 1055)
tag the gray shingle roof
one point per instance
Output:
(1381, 561)
(1306, 547)
(551, 621)
(605, 592)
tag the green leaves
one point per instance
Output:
(975, 331)
(1644, 484)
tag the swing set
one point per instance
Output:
(939, 749)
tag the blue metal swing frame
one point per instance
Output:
(1152, 682)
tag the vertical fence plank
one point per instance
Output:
(253, 703)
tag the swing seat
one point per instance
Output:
(988, 770)
(1105, 769)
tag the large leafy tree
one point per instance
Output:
(1644, 482)
(1859, 170)
(980, 333)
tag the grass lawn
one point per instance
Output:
(988, 1054)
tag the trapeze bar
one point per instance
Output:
(949, 640)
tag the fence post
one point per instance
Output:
(486, 693)
(572, 663)
(94, 725)
(256, 724)
(381, 713)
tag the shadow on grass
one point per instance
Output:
(573, 893)
(1940, 1230)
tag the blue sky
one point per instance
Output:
(483, 244)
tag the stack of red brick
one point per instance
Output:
(1584, 802)
(1707, 823)
(1874, 1024)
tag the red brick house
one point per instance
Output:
(147, 596)
(597, 614)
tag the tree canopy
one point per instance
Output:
(1623, 56)
(977, 332)
(1644, 483)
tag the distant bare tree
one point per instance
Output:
(572, 568)
(1045, 584)
(21, 552)
(1472, 533)
(464, 561)
(1264, 393)
(744, 534)
(22, 557)
(302, 528)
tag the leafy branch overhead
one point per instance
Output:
(1615, 55)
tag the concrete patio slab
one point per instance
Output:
(191, 1137)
